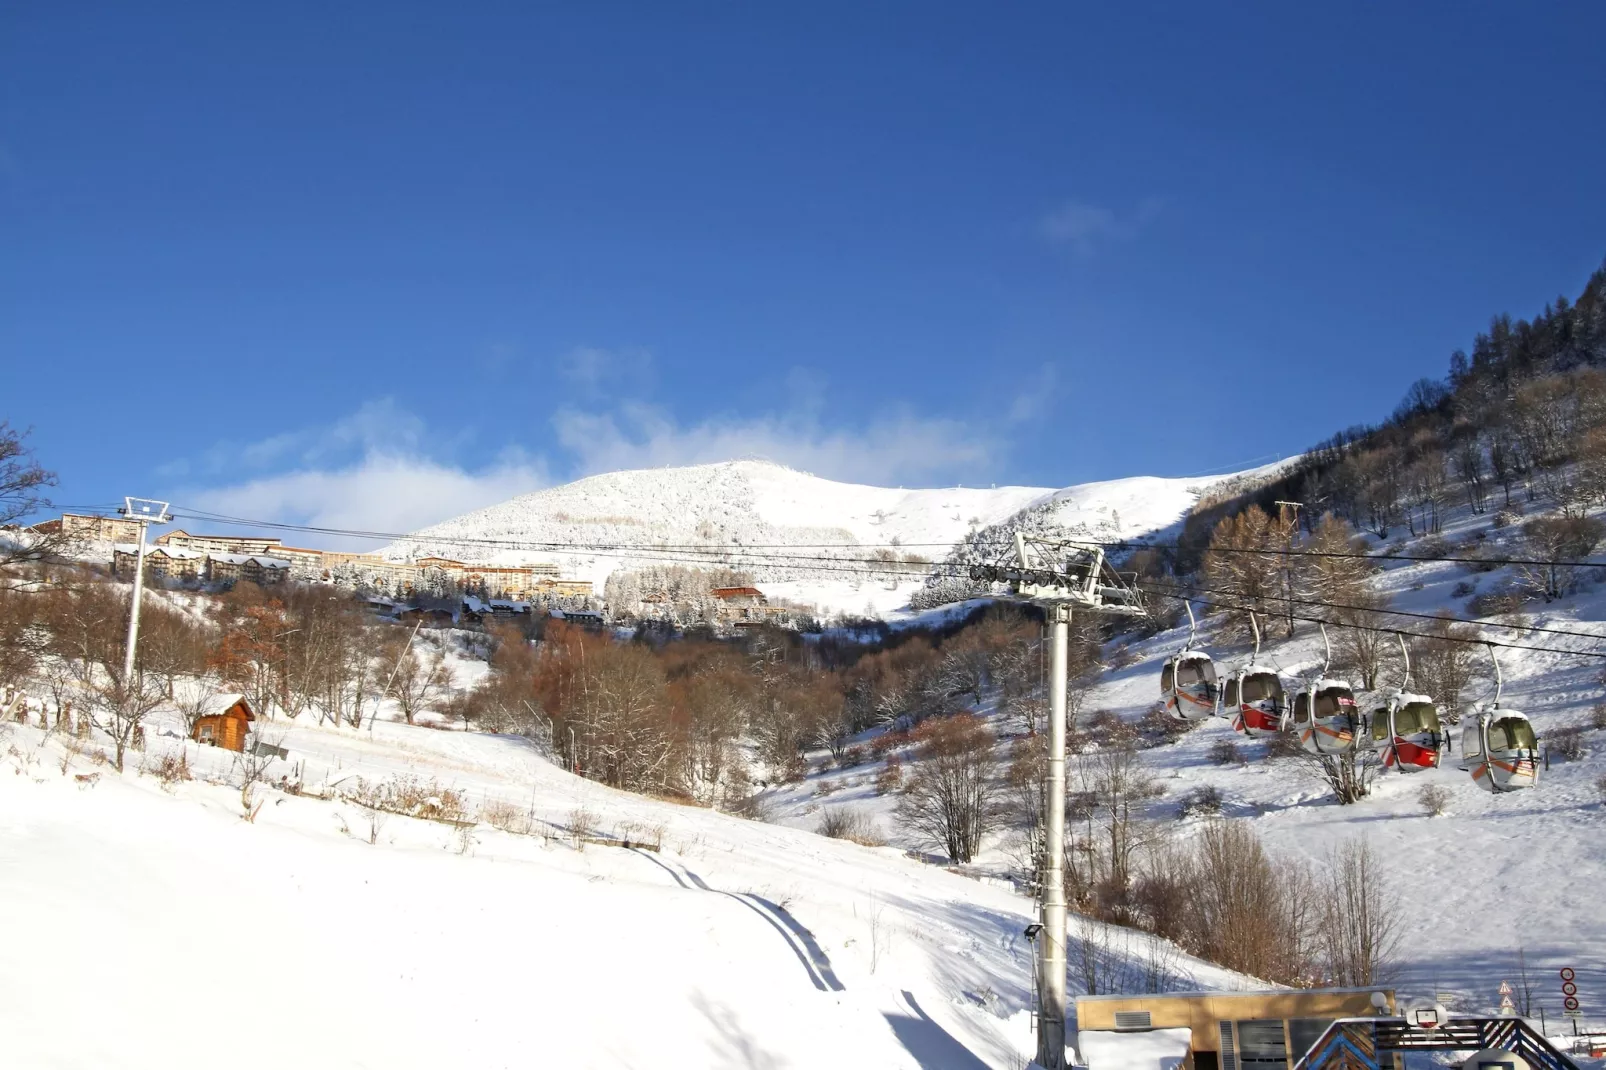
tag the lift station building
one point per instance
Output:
(1260, 1030)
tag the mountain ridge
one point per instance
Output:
(633, 518)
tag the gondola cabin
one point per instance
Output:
(1500, 750)
(224, 722)
(1254, 700)
(1188, 682)
(1406, 733)
(1325, 717)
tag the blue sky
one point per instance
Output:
(375, 265)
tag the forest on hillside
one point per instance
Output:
(1519, 421)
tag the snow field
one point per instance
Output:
(737, 944)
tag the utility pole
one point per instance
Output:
(144, 512)
(1051, 988)
(1056, 575)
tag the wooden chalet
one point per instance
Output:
(225, 723)
(740, 596)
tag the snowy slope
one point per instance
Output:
(738, 944)
(769, 509)
(1493, 884)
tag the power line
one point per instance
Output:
(1423, 635)
(599, 548)
(1280, 552)
(1390, 612)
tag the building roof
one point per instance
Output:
(239, 559)
(152, 551)
(223, 702)
(177, 552)
(737, 592)
(181, 533)
(1248, 993)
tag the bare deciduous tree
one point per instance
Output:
(1360, 918)
(419, 680)
(952, 798)
(1557, 540)
(22, 484)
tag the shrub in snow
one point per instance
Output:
(1496, 604)
(847, 823)
(890, 779)
(1432, 546)
(1434, 798)
(1202, 800)
(505, 816)
(1225, 752)
(170, 769)
(1283, 745)
(1567, 743)
(1464, 589)
(888, 741)
(1600, 786)
(851, 757)
(1158, 727)
(1597, 715)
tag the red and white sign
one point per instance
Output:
(1569, 991)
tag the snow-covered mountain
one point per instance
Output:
(596, 525)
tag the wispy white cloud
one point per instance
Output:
(896, 447)
(379, 468)
(1083, 226)
(380, 492)
(383, 469)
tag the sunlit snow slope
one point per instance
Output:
(156, 928)
(769, 509)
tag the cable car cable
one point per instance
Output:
(1397, 613)
(1421, 635)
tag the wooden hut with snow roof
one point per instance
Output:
(224, 722)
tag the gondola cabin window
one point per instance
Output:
(1380, 726)
(1259, 687)
(1415, 717)
(1168, 677)
(1512, 734)
(1302, 708)
(1334, 702)
(1231, 692)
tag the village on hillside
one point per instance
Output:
(438, 589)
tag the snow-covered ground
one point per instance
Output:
(155, 927)
(771, 510)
